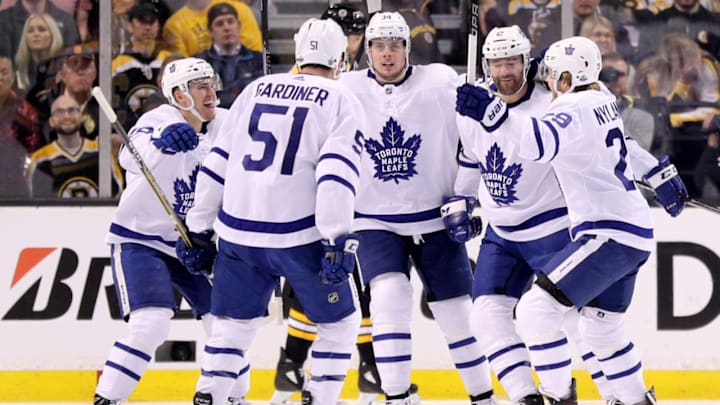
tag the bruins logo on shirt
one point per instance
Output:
(499, 179)
(78, 187)
(394, 157)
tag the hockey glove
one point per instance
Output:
(458, 220)
(477, 103)
(199, 258)
(338, 259)
(670, 191)
(178, 137)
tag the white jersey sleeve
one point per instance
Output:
(582, 138)
(287, 164)
(140, 217)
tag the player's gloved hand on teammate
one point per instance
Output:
(457, 217)
(670, 191)
(199, 258)
(479, 104)
(178, 137)
(338, 259)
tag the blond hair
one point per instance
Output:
(24, 57)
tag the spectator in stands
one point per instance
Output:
(41, 39)
(638, 123)
(707, 172)
(423, 35)
(13, 19)
(600, 30)
(186, 31)
(19, 133)
(681, 83)
(75, 77)
(235, 64)
(686, 16)
(67, 167)
(135, 71)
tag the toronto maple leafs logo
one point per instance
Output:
(185, 193)
(395, 157)
(569, 50)
(500, 180)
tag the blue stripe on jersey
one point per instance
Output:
(213, 175)
(265, 227)
(536, 220)
(338, 179)
(220, 152)
(468, 164)
(617, 225)
(224, 350)
(432, 213)
(555, 136)
(329, 355)
(123, 370)
(340, 158)
(133, 351)
(127, 233)
(538, 139)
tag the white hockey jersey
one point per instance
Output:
(520, 198)
(140, 217)
(285, 169)
(411, 143)
(582, 137)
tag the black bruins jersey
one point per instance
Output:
(55, 172)
(134, 79)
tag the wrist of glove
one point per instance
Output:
(338, 260)
(176, 138)
(199, 258)
(457, 217)
(479, 104)
(670, 191)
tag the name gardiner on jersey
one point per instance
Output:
(606, 113)
(292, 92)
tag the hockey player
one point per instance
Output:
(172, 140)
(409, 165)
(289, 373)
(581, 138)
(526, 211)
(279, 186)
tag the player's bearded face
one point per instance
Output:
(507, 74)
(203, 94)
(388, 59)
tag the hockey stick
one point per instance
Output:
(264, 28)
(690, 201)
(112, 117)
(472, 42)
(373, 6)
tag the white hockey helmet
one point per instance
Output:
(506, 42)
(388, 25)
(320, 42)
(179, 73)
(579, 56)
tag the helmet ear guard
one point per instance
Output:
(578, 56)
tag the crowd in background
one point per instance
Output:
(660, 58)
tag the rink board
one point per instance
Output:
(58, 316)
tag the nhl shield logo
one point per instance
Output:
(333, 297)
(394, 156)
